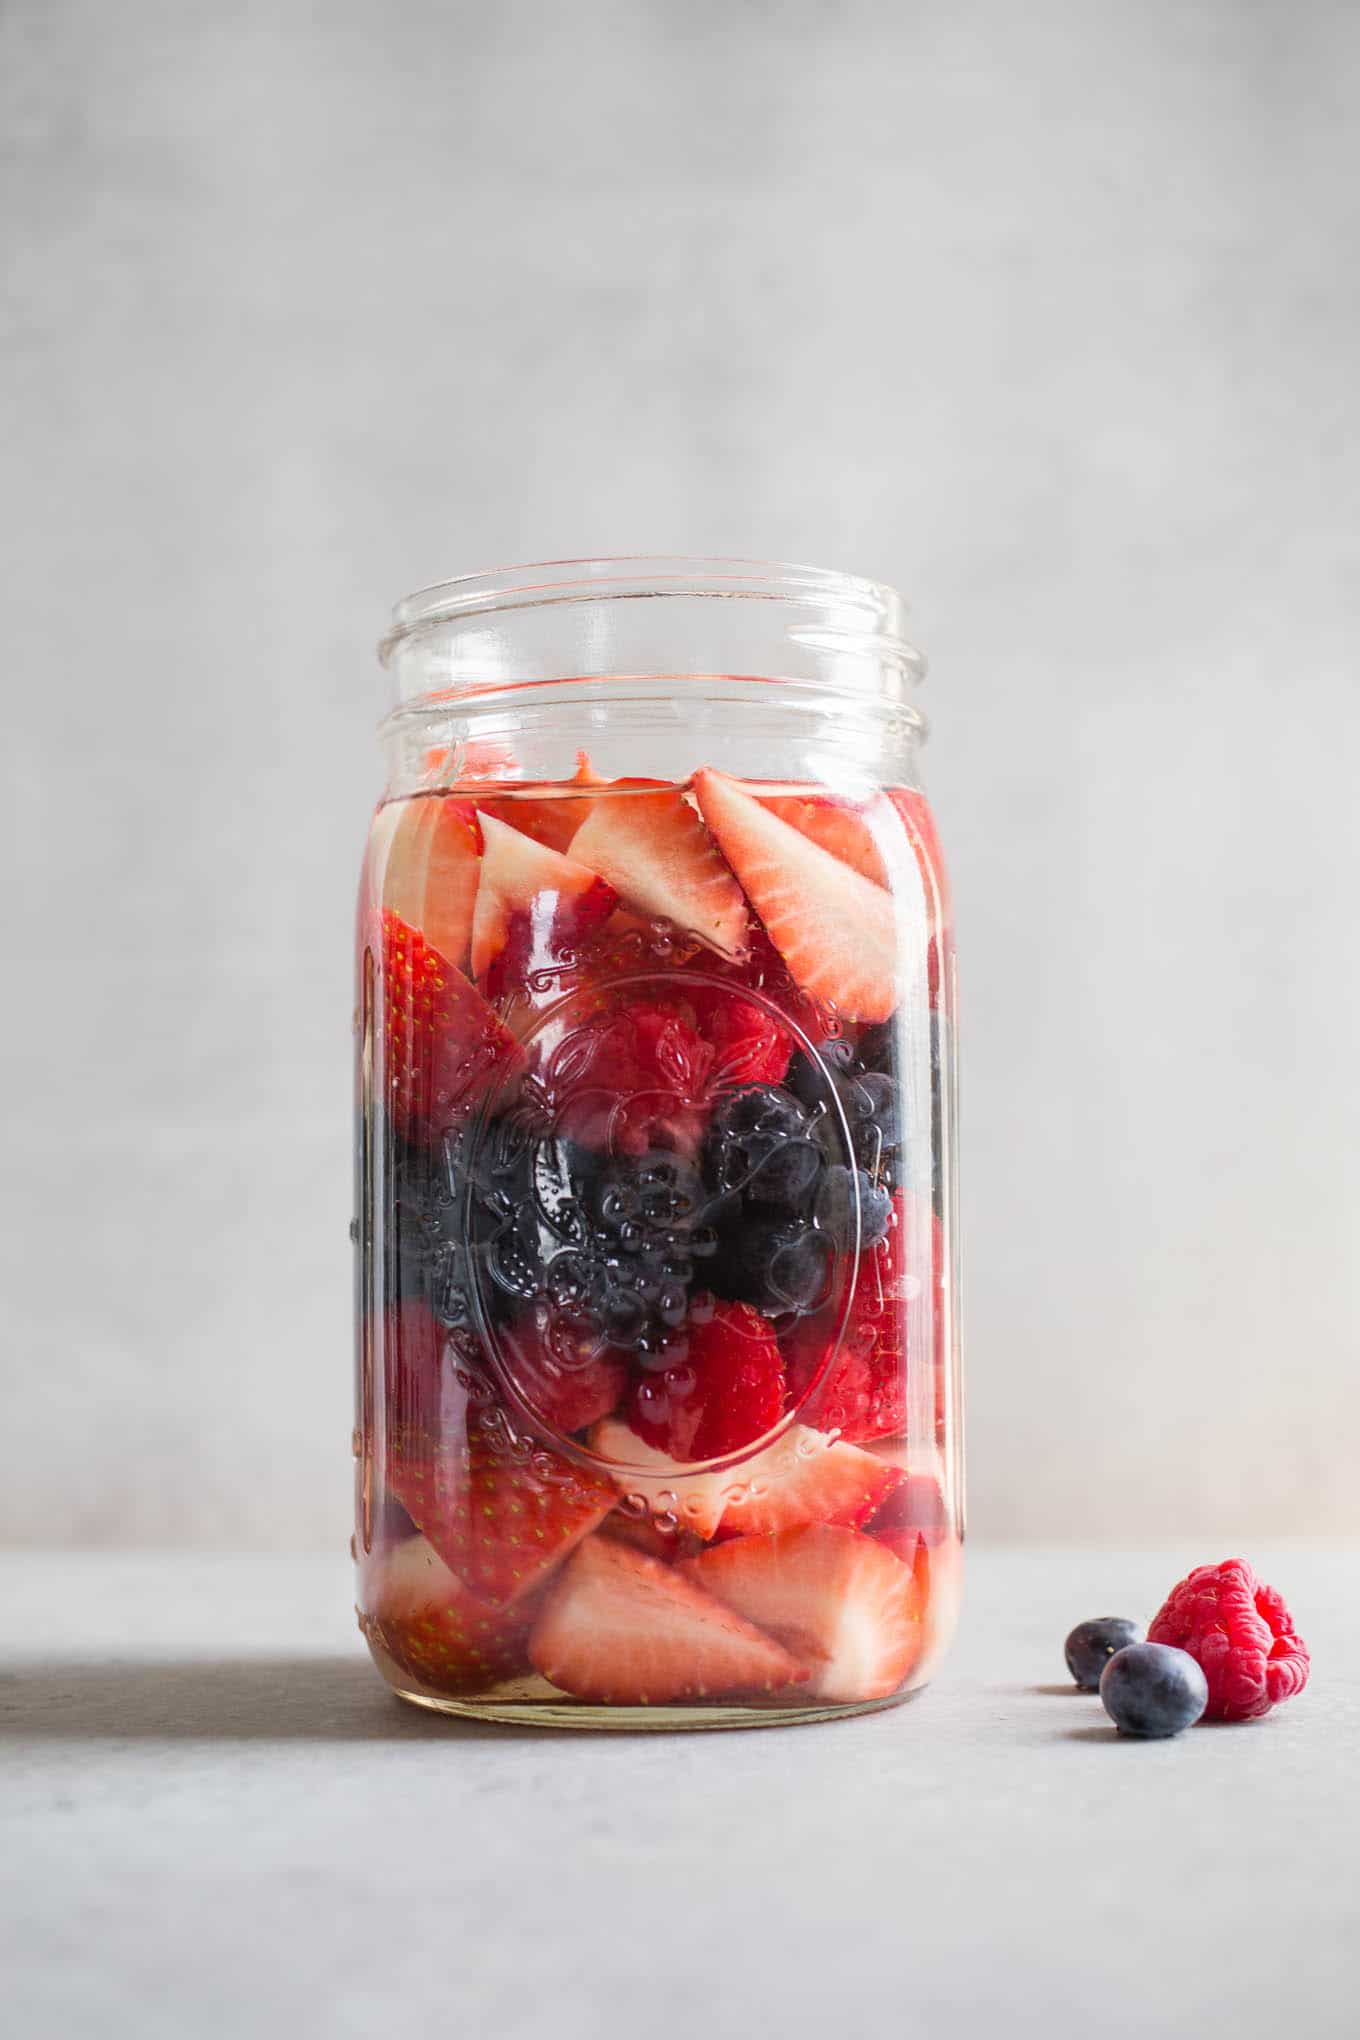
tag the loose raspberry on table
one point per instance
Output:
(1242, 1636)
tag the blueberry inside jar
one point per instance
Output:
(657, 1367)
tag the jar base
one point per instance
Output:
(580, 1714)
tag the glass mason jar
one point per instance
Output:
(658, 1406)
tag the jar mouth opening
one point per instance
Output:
(846, 605)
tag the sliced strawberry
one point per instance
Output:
(563, 1376)
(838, 828)
(726, 1392)
(431, 873)
(623, 1629)
(805, 1477)
(842, 1604)
(645, 1534)
(443, 1047)
(500, 1508)
(656, 853)
(835, 929)
(859, 1388)
(426, 1619)
(549, 817)
(533, 901)
(916, 1508)
(685, 1501)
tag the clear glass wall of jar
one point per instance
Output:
(658, 1376)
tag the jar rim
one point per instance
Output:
(871, 610)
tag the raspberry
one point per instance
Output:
(644, 1072)
(726, 1391)
(751, 1047)
(1242, 1636)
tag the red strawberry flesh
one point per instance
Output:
(532, 901)
(622, 1629)
(842, 1604)
(835, 929)
(444, 1048)
(656, 853)
(426, 1620)
(500, 1507)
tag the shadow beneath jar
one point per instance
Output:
(245, 1699)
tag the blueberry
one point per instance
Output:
(835, 1209)
(761, 1146)
(1092, 1644)
(435, 1234)
(1150, 1689)
(779, 1265)
(875, 1046)
(875, 1127)
(808, 1080)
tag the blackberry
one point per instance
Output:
(447, 1225)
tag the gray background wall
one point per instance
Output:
(1048, 313)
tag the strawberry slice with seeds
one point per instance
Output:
(656, 853)
(623, 1629)
(534, 906)
(835, 929)
(444, 1636)
(444, 1048)
(842, 1604)
(501, 1508)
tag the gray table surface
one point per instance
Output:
(216, 1822)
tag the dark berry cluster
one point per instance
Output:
(789, 1201)
(623, 1250)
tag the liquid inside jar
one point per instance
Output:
(656, 1379)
